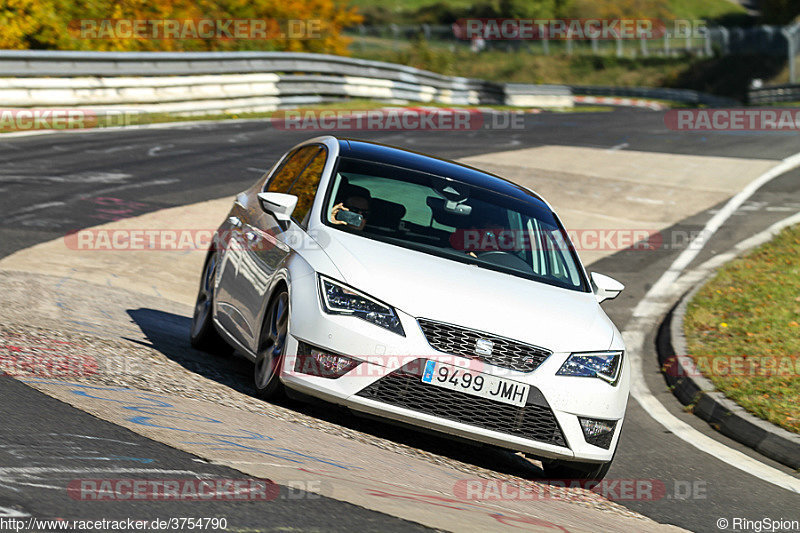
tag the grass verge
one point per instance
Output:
(743, 330)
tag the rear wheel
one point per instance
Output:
(272, 348)
(204, 335)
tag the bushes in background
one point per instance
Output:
(56, 24)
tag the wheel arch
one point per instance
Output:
(280, 281)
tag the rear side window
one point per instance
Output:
(295, 163)
(305, 187)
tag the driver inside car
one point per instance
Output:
(356, 204)
(484, 235)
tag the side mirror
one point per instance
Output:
(605, 287)
(279, 204)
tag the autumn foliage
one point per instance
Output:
(55, 24)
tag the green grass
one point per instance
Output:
(728, 76)
(522, 66)
(678, 9)
(407, 5)
(751, 310)
(705, 9)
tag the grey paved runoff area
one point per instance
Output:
(57, 183)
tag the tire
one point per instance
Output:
(204, 335)
(574, 470)
(272, 348)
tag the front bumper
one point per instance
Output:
(547, 426)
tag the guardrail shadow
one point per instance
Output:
(169, 334)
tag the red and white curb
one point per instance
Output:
(625, 102)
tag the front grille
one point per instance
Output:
(404, 388)
(506, 353)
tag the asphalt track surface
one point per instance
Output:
(53, 184)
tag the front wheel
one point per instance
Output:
(272, 348)
(204, 335)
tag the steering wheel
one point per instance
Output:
(505, 259)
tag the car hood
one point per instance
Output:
(426, 286)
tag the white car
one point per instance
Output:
(424, 292)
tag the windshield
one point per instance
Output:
(451, 219)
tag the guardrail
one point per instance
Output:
(775, 93)
(684, 96)
(206, 82)
(234, 82)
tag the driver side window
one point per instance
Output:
(295, 163)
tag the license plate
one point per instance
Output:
(475, 383)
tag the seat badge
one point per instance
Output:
(484, 347)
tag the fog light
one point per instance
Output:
(598, 432)
(315, 362)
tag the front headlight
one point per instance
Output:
(603, 365)
(339, 299)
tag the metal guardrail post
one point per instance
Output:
(725, 37)
(791, 34)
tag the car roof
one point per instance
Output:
(390, 155)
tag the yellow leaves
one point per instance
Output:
(22, 19)
(47, 23)
(723, 325)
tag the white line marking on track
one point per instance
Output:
(93, 438)
(6, 512)
(152, 152)
(90, 177)
(113, 149)
(715, 223)
(618, 147)
(36, 207)
(34, 470)
(647, 200)
(658, 300)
